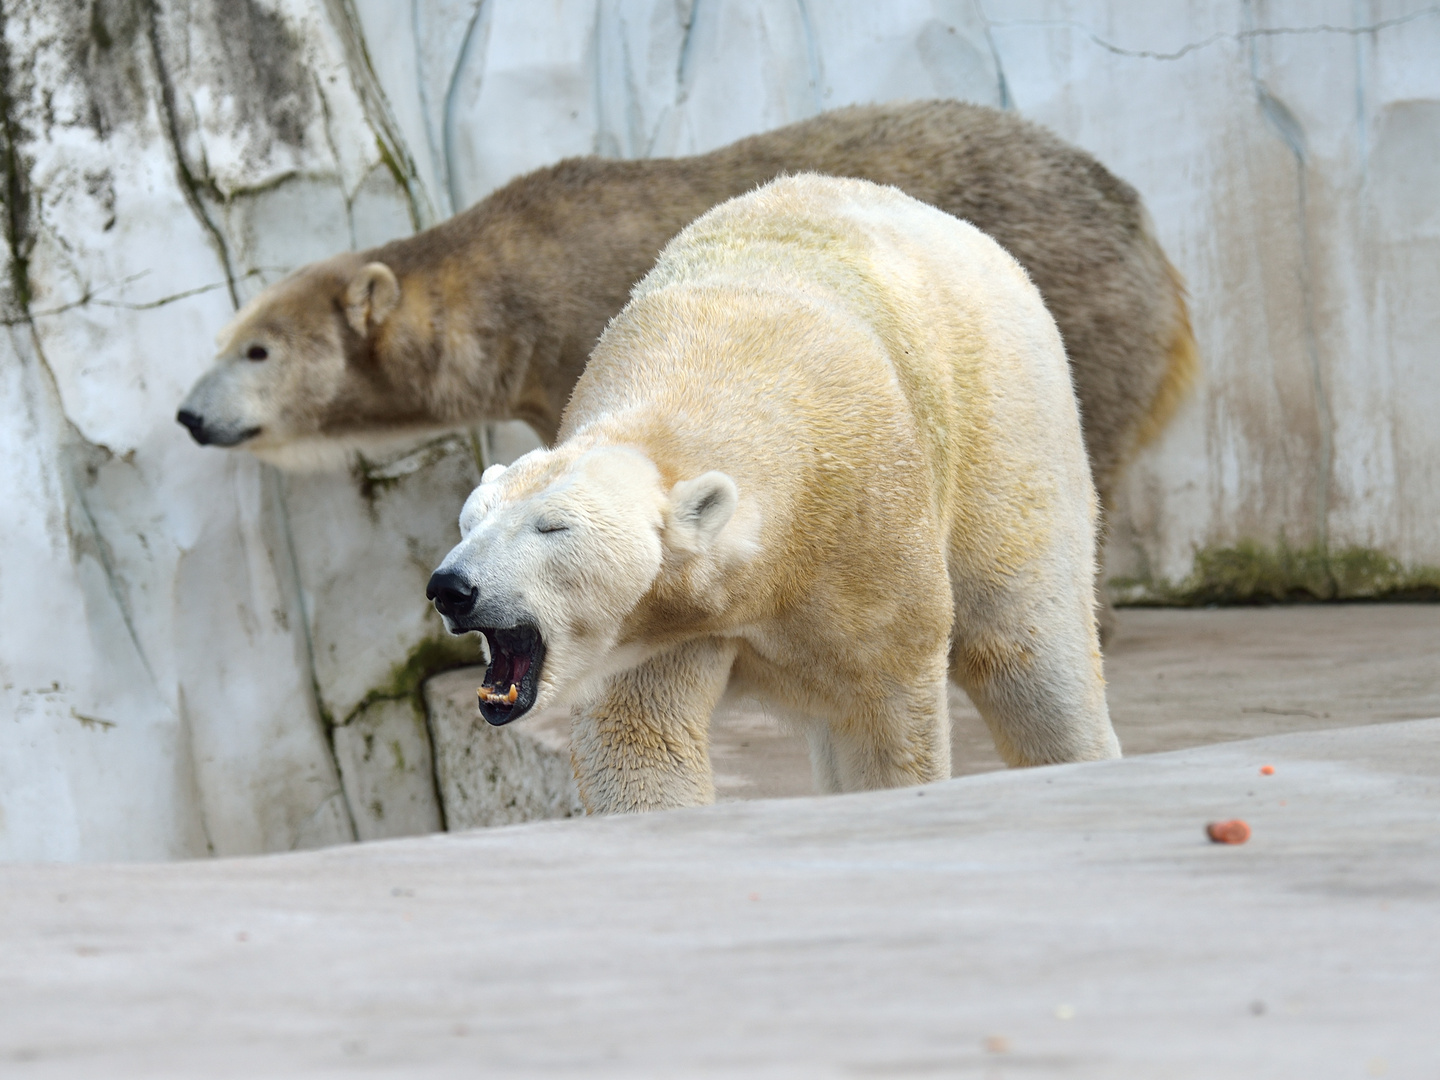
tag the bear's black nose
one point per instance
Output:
(453, 595)
(195, 423)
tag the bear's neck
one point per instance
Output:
(459, 353)
(515, 292)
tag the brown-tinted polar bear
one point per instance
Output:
(492, 314)
(829, 452)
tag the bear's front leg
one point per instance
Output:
(644, 744)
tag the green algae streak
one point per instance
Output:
(1253, 573)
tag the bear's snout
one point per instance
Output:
(454, 597)
(208, 434)
(195, 424)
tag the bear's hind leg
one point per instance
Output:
(891, 739)
(644, 744)
(1042, 697)
(824, 767)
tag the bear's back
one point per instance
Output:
(850, 357)
(913, 273)
(957, 318)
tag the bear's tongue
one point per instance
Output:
(500, 669)
(508, 668)
(519, 665)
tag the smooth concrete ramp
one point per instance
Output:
(1070, 922)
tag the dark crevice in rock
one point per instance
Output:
(682, 66)
(92, 298)
(87, 459)
(190, 185)
(1222, 35)
(297, 597)
(346, 196)
(406, 683)
(1002, 87)
(378, 111)
(812, 57)
(19, 239)
(479, 20)
(80, 461)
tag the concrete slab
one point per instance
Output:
(497, 776)
(1070, 921)
(387, 771)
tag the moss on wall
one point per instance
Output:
(407, 678)
(1252, 573)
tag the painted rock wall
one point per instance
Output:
(160, 693)
(198, 654)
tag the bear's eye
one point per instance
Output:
(256, 352)
(551, 526)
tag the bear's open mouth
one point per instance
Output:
(513, 678)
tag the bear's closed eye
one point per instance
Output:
(551, 526)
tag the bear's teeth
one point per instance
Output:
(494, 697)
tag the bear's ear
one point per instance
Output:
(491, 474)
(477, 505)
(698, 510)
(371, 296)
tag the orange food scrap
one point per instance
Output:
(1267, 770)
(1228, 832)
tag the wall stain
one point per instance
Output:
(95, 723)
(1250, 573)
(407, 678)
(1283, 121)
(15, 176)
(406, 683)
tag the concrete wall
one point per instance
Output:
(198, 654)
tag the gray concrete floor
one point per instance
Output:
(1062, 922)
(1177, 678)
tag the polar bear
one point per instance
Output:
(829, 453)
(492, 314)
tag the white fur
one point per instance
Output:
(606, 515)
(836, 346)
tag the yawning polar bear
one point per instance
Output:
(828, 452)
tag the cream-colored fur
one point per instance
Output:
(828, 452)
